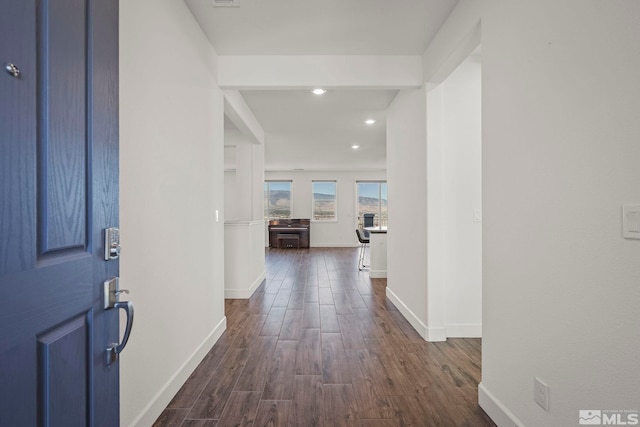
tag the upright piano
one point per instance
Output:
(289, 233)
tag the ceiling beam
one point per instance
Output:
(237, 110)
(327, 71)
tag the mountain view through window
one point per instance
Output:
(277, 200)
(372, 199)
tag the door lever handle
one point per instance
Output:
(112, 293)
(116, 348)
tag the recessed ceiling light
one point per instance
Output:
(355, 147)
(369, 121)
(319, 91)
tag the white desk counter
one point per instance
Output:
(378, 252)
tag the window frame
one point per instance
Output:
(359, 220)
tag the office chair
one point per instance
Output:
(363, 238)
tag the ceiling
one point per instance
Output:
(322, 27)
(306, 131)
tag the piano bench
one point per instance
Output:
(286, 238)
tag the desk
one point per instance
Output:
(378, 252)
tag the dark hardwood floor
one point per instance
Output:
(318, 344)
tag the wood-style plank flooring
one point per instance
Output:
(318, 344)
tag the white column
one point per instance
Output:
(257, 196)
(244, 181)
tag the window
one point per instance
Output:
(324, 200)
(372, 199)
(277, 200)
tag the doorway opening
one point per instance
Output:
(454, 167)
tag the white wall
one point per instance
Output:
(461, 181)
(407, 186)
(229, 193)
(171, 169)
(560, 96)
(244, 261)
(229, 179)
(340, 233)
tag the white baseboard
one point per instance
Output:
(378, 274)
(417, 324)
(245, 293)
(429, 334)
(327, 245)
(464, 330)
(333, 245)
(499, 413)
(160, 401)
(436, 334)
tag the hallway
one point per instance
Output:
(318, 344)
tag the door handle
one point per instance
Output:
(116, 348)
(112, 294)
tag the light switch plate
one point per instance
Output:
(631, 221)
(541, 393)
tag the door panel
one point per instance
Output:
(62, 122)
(64, 377)
(58, 191)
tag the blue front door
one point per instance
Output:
(58, 191)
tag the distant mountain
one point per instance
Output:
(274, 196)
(370, 201)
(320, 196)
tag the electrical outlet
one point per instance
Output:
(541, 393)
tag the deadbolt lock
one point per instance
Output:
(111, 243)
